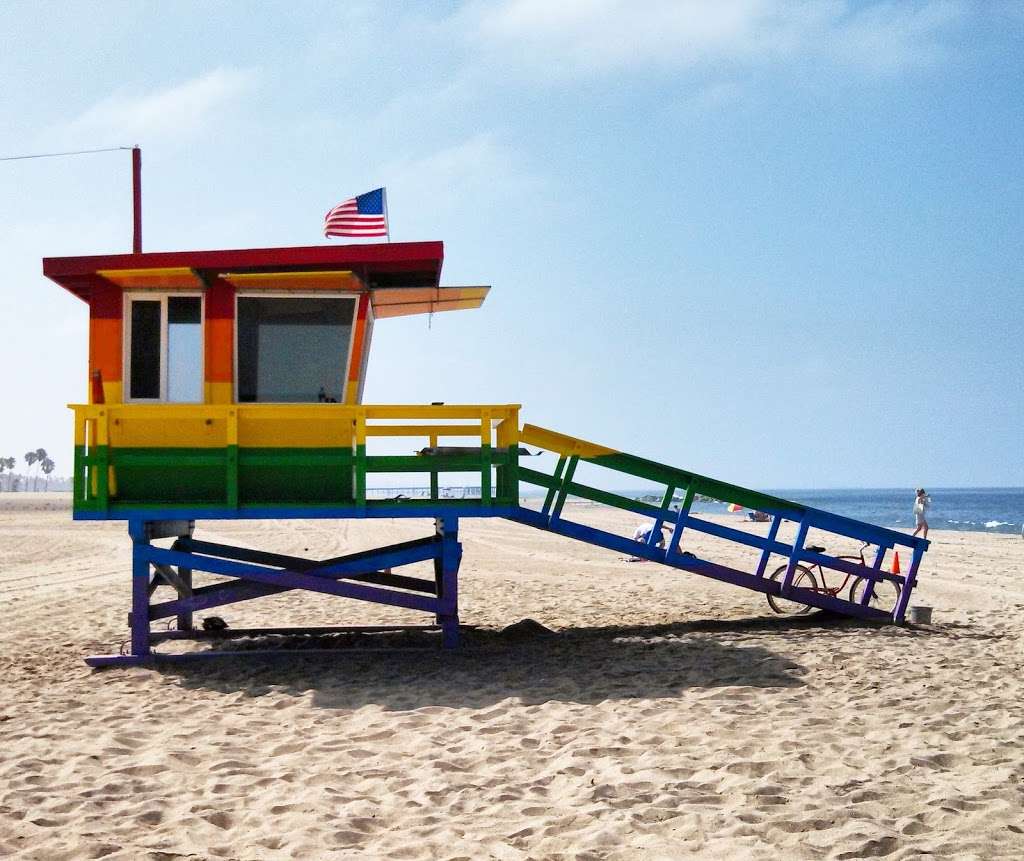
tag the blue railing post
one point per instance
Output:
(909, 582)
(773, 533)
(794, 557)
(869, 587)
(680, 524)
(666, 501)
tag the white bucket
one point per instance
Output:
(920, 615)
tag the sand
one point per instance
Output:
(667, 716)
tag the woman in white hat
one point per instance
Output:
(921, 504)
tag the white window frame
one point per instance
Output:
(289, 294)
(162, 297)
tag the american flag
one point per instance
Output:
(364, 215)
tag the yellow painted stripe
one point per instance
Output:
(112, 391)
(133, 432)
(562, 443)
(219, 393)
(278, 425)
(174, 412)
(287, 432)
(439, 411)
(468, 430)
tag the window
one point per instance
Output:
(165, 348)
(293, 349)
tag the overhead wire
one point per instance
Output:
(71, 153)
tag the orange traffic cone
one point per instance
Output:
(896, 563)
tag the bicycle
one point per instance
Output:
(884, 597)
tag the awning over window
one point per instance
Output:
(399, 302)
(294, 281)
(167, 278)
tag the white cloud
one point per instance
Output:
(179, 111)
(585, 37)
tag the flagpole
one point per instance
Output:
(387, 220)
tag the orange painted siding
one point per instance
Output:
(220, 335)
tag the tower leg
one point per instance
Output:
(140, 589)
(184, 620)
(446, 575)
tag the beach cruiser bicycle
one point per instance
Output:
(884, 598)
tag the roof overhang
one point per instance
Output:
(390, 265)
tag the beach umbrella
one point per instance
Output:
(732, 506)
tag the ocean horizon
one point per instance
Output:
(997, 510)
(963, 509)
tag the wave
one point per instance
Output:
(995, 524)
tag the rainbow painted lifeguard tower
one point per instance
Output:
(229, 384)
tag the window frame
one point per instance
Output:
(297, 294)
(126, 374)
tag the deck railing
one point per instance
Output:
(227, 456)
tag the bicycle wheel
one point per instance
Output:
(884, 596)
(803, 578)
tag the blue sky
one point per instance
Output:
(775, 242)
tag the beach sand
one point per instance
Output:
(668, 716)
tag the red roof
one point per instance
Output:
(390, 264)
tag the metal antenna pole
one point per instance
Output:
(136, 200)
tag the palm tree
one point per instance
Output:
(8, 464)
(41, 455)
(47, 468)
(30, 458)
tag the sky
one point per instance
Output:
(779, 242)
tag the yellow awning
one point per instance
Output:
(402, 302)
(343, 280)
(171, 278)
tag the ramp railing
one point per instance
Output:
(688, 486)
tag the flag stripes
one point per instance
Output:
(363, 215)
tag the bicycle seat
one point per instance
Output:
(814, 548)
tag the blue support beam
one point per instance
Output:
(363, 576)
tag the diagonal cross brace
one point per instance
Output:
(417, 550)
(316, 580)
(171, 578)
(235, 591)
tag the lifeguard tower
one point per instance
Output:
(229, 384)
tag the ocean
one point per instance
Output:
(964, 509)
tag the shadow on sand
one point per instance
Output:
(408, 670)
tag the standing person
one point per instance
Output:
(921, 504)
